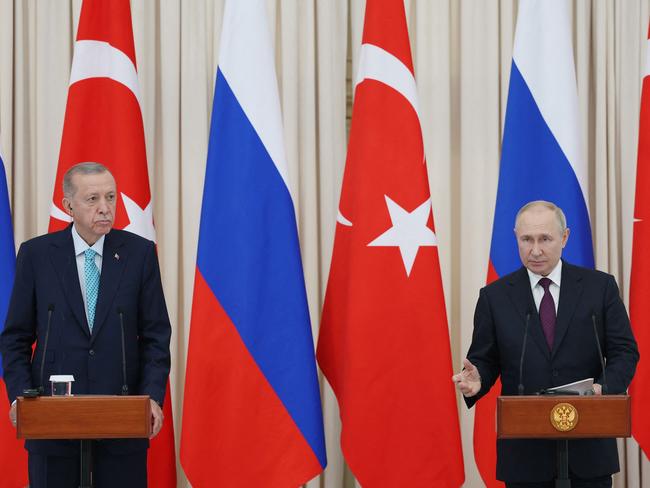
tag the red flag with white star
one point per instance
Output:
(384, 342)
(103, 123)
(639, 285)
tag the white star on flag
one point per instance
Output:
(140, 220)
(409, 231)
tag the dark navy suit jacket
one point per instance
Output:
(46, 276)
(496, 349)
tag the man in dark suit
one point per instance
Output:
(561, 301)
(90, 279)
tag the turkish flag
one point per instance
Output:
(103, 123)
(384, 342)
(639, 286)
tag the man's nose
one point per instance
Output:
(103, 206)
(537, 249)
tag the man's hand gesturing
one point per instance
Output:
(468, 381)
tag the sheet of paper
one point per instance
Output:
(581, 387)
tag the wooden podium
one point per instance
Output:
(83, 417)
(563, 417)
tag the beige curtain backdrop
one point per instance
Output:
(462, 51)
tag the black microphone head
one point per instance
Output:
(119, 310)
(50, 307)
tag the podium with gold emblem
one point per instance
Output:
(563, 417)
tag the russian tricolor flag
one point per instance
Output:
(252, 413)
(542, 156)
(541, 159)
(13, 458)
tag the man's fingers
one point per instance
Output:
(156, 419)
(467, 364)
(157, 425)
(468, 370)
(468, 381)
(12, 415)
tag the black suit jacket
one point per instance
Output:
(46, 275)
(496, 349)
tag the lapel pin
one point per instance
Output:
(117, 256)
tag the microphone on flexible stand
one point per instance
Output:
(50, 310)
(125, 386)
(520, 388)
(34, 392)
(600, 354)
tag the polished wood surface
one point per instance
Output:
(83, 417)
(521, 417)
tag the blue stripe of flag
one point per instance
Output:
(7, 249)
(534, 167)
(250, 257)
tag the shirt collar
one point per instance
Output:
(555, 276)
(80, 245)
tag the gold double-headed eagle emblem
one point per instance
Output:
(564, 417)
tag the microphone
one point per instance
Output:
(600, 353)
(50, 310)
(125, 386)
(520, 388)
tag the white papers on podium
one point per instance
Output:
(582, 387)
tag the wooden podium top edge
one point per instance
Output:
(83, 397)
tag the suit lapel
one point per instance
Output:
(65, 263)
(113, 264)
(522, 297)
(570, 293)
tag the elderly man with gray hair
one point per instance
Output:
(100, 291)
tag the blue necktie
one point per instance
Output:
(92, 285)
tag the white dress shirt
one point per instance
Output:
(538, 291)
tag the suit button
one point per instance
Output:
(556, 373)
(91, 352)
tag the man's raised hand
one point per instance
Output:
(468, 381)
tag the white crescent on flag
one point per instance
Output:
(98, 59)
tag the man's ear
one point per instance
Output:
(565, 237)
(67, 206)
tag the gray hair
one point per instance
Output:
(559, 214)
(88, 168)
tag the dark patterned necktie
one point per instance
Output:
(547, 312)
